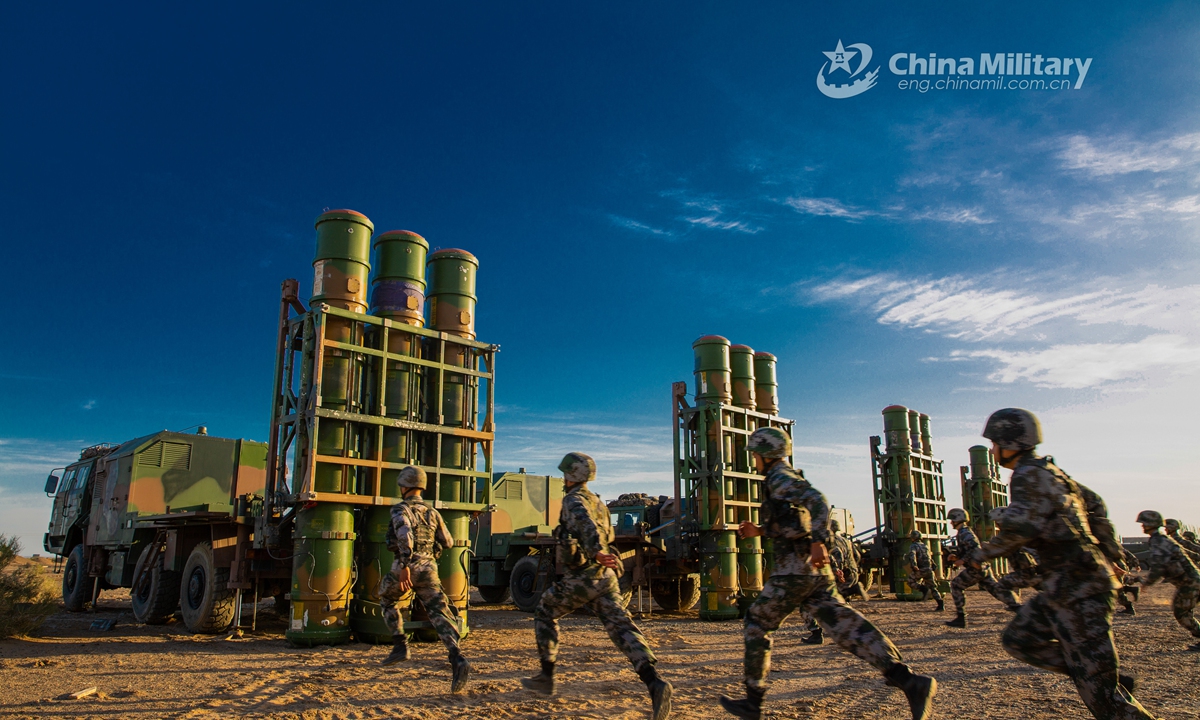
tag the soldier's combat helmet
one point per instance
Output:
(958, 515)
(412, 477)
(1150, 517)
(834, 525)
(1172, 525)
(770, 442)
(1013, 429)
(997, 514)
(914, 535)
(577, 468)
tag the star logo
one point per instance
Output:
(840, 58)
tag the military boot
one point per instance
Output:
(399, 651)
(1194, 647)
(919, 689)
(543, 682)
(749, 708)
(1129, 681)
(660, 692)
(959, 621)
(816, 637)
(941, 604)
(1129, 610)
(461, 669)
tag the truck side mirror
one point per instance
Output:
(51, 484)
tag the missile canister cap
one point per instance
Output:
(407, 235)
(710, 340)
(764, 355)
(351, 215)
(455, 253)
(741, 348)
(894, 408)
(977, 448)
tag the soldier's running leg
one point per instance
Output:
(444, 618)
(1183, 606)
(931, 583)
(566, 595)
(1077, 642)
(779, 597)
(1123, 598)
(958, 586)
(857, 635)
(630, 640)
(389, 594)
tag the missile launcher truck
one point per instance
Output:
(160, 515)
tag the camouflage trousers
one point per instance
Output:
(1183, 605)
(969, 577)
(1015, 580)
(923, 580)
(601, 595)
(428, 589)
(1074, 639)
(816, 597)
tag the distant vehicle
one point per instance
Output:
(161, 515)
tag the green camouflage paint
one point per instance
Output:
(321, 575)
(766, 386)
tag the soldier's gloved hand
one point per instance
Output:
(841, 576)
(607, 560)
(747, 529)
(1120, 571)
(818, 555)
(404, 579)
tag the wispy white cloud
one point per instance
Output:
(969, 216)
(89, 405)
(713, 222)
(635, 457)
(963, 308)
(1086, 365)
(24, 463)
(828, 207)
(637, 226)
(1118, 156)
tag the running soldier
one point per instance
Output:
(1024, 574)
(584, 533)
(1067, 627)
(1193, 550)
(1129, 584)
(417, 535)
(802, 580)
(966, 543)
(920, 570)
(1169, 562)
(844, 559)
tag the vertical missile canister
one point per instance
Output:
(981, 463)
(914, 430)
(397, 293)
(713, 382)
(895, 428)
(741, 365)
(452, 300)
(321, 575)
(718, 575)
(323, 556)
(766, 386)
(926, 437)
(340, 272)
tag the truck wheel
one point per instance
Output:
(76, 585)
(154, 599)
(206, 603)
(494, 594)
(524, 584)
(675, 593)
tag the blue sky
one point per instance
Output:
(631, 178)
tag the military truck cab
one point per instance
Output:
(514, 544)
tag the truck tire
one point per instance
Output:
(523, 584)
(76, 585)
(207, 605)
(494, 594)
(155, 599)
(679, 593)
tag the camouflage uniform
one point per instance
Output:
(1066, 628)
(1170, 563)
(795, 583)
(1025, 574)
(1129, 584)
(844, 556)
(1191, 549)
(970, 576)
(417, 535)
(920, 570)
(585, 529)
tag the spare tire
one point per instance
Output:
(676, 593)
(525, 585)
(155, 598)
(206, 603)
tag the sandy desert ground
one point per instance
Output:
(164, 672)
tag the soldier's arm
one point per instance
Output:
(389, 538)
(442, 534)
(1022, 522)
(1160, 555)
(799, 491)
(402, 529)
(583, 527)
(1101, 526)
